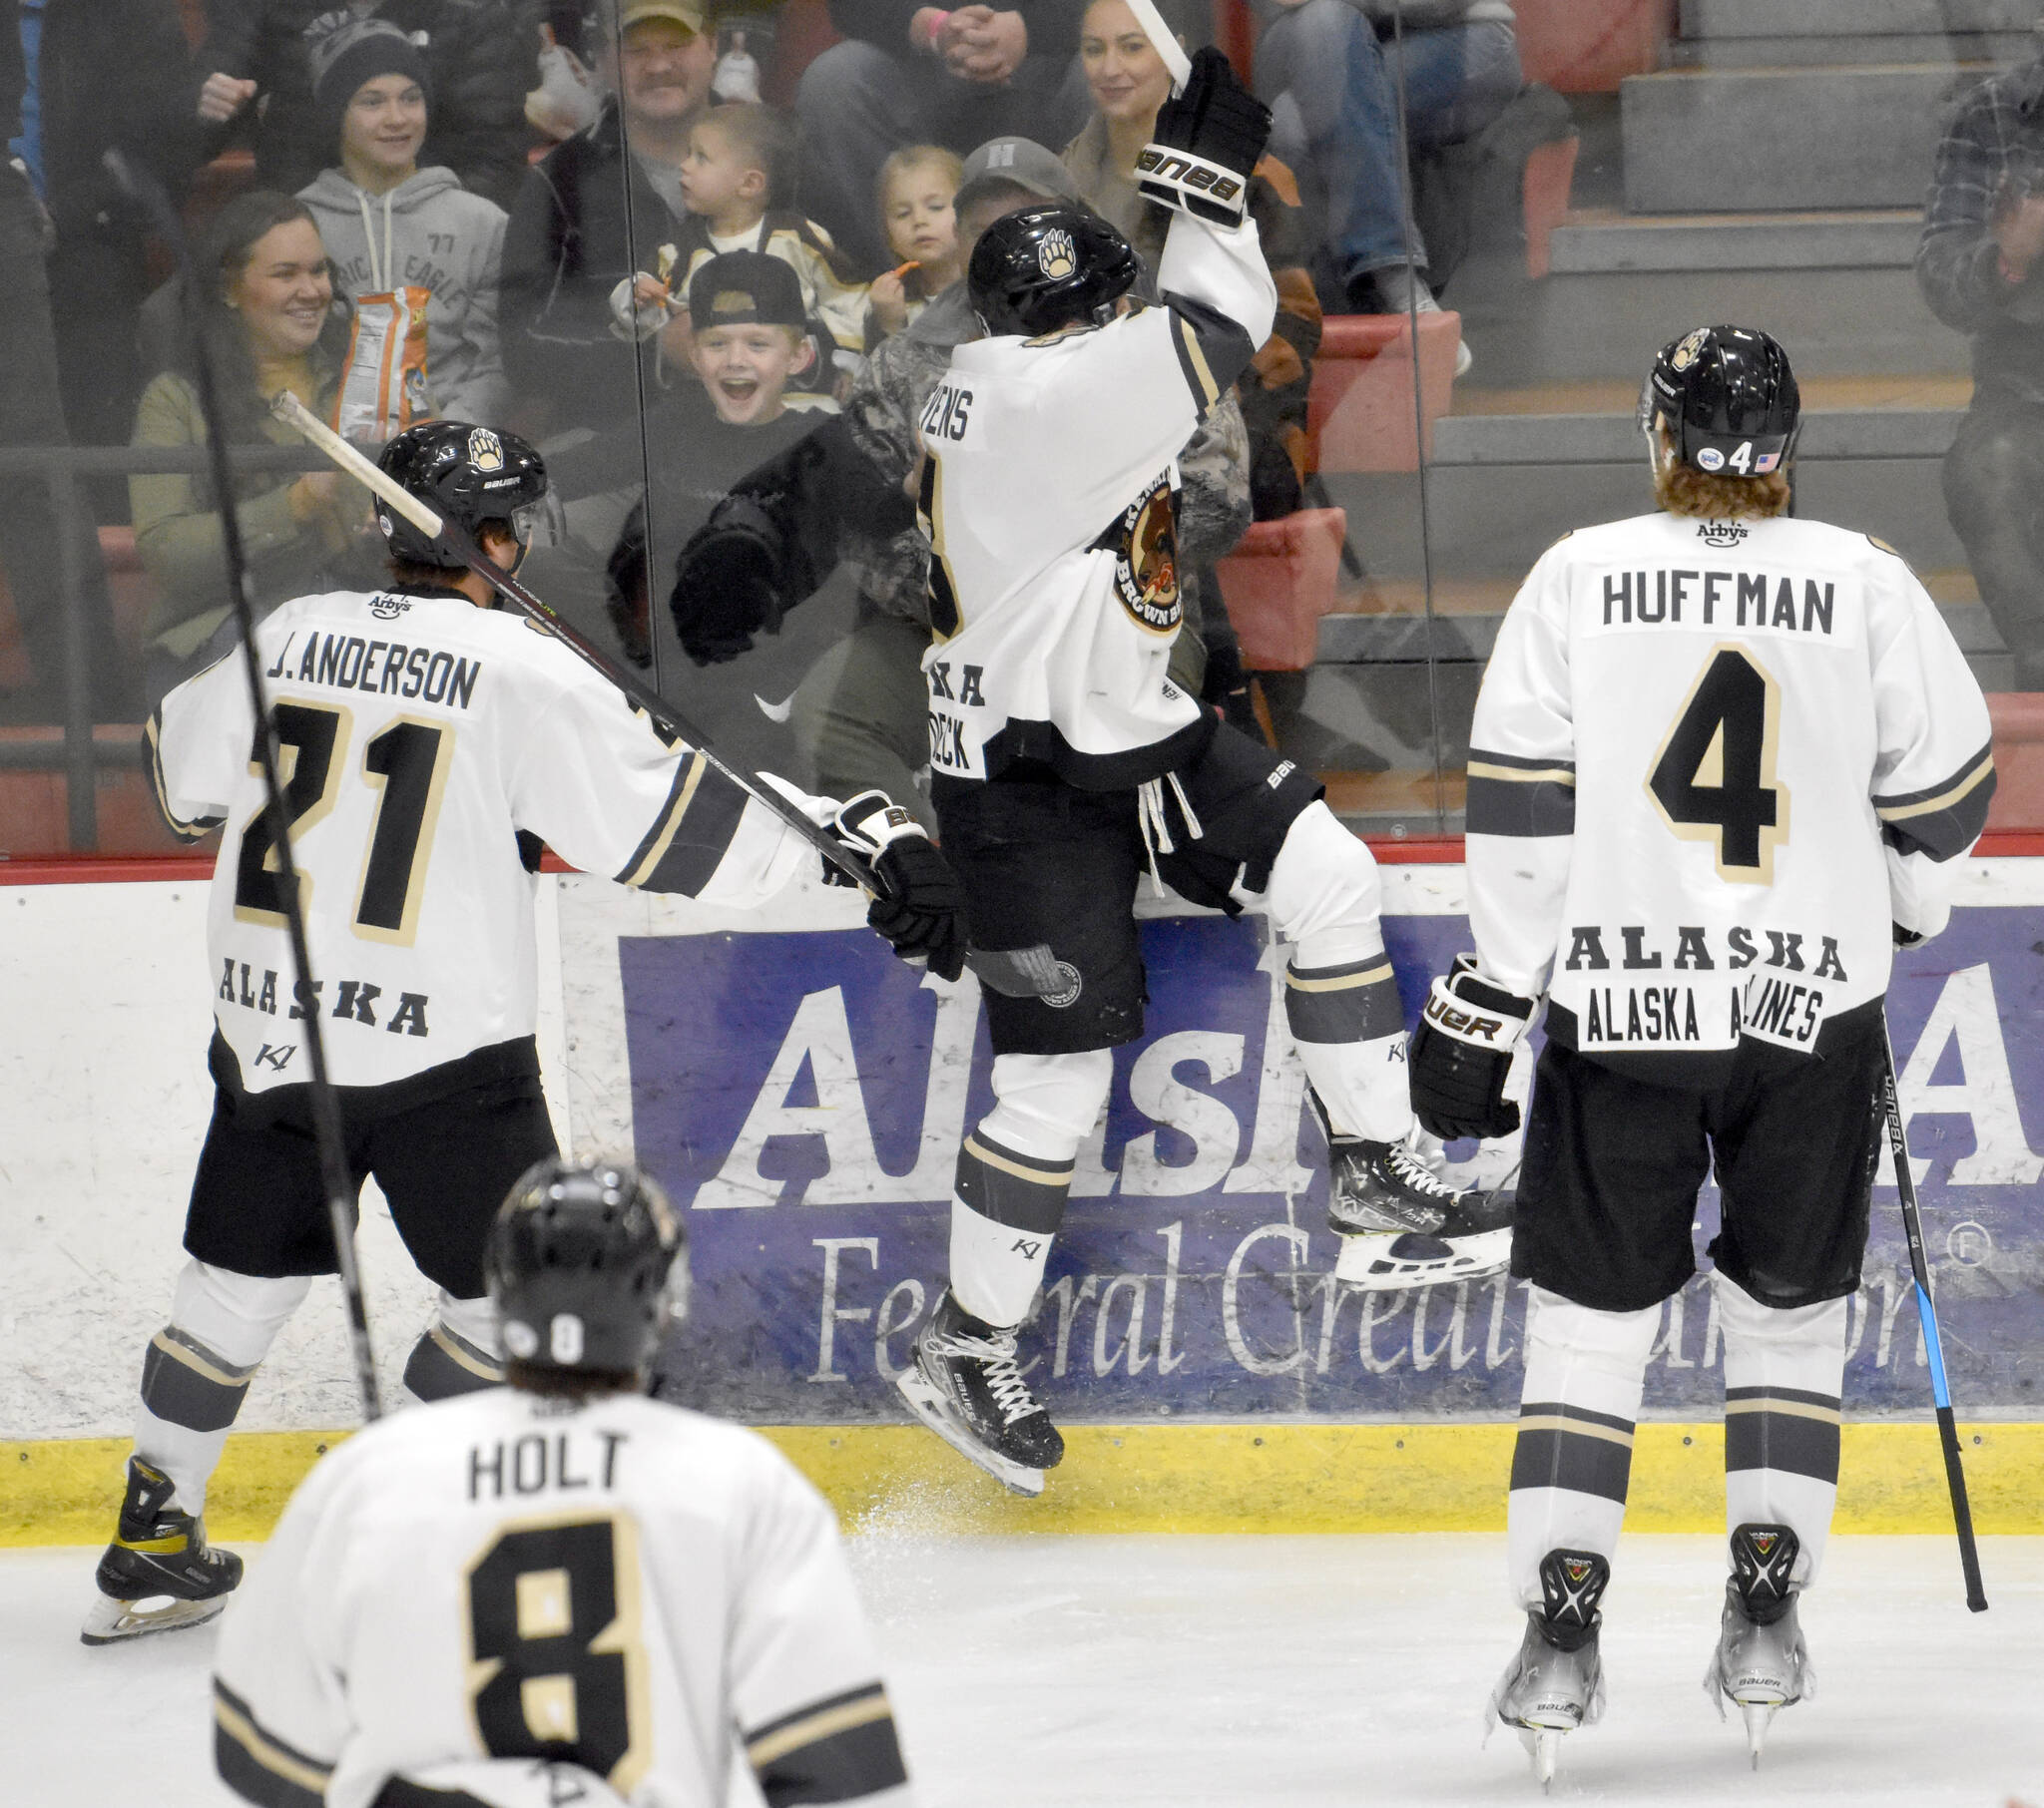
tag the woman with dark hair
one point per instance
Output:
(268, 315)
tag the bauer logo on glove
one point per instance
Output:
(1209, 137)
(1462, 1054)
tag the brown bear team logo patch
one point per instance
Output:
(1146, 559)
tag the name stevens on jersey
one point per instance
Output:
(389, 667)
(1716, 598)
(948, 412)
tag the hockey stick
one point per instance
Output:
(1933, 1346)
(1015, 973)
(1164, 41)
(336, 1182)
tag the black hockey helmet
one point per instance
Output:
(468, 474)
(1044, 268)
(1729, 398)
(588, 1265)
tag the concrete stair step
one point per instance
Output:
(1753, 139)
(2004, 47)
(1607, 241)
(1791, 19)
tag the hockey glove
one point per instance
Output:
(920, 906)
(1462, 1052)
(727, 586)
(1208, 141)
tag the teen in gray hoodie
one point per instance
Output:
(389, 225)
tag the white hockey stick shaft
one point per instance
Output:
(1165, 42)
(294, 414)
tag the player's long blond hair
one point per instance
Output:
(1683, 490)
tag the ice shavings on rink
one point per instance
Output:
(1246, 1672)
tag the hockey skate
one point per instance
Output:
(964, 1384)
(159, 1574)
(1761, 1665)
(1556, 1682)
(1401, 1225)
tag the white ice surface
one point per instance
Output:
(1240, 1671)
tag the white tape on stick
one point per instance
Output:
(1166, 41)
(294, 414)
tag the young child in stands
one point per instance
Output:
(917, 187)
(740, 165)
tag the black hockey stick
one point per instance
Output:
(1933, 1346)
(334, 1178)
(1017, 972)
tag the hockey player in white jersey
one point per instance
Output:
(559, 1590)
(431, 745)
(1064, 760)
(1720, 763)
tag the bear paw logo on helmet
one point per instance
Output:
(485, 449)
(1056, 256)
(1685, 354)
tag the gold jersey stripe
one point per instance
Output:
(817, 1726)
(1197, 359)
(249, 1737)
(1899, 812)
(1482, 768)
(684, 795)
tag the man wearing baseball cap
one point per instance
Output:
(585, 207)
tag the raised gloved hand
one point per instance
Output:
(727, 582)
(1208, 141)
(919, 906)
(1462, 1052)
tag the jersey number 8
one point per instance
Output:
(1714, 778)
(556, 1667)
(407, 763)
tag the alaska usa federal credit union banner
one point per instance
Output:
(802, 1094)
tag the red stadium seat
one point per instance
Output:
(1278, 582)
(1590, 46)
(1544, 198)
(2018, 719)
(1359, 411)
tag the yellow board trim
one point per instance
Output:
(1157, 1478)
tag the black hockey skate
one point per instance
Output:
(964, 1384)
(1556, 1682)
(1761, 1665)
(159, 1574)
(1401, 1225)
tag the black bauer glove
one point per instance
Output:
(920, 906)
(1462, 1052)
(727, 585)
(1207, 143)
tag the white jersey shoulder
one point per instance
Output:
(498, 1577)
(1710, 762)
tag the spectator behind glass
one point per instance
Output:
(266, 307)
(907, 74)
(388, 225)
(1980, 264)
(732, 180)
(1330, 76)
(863, 710)
(108, 75)
(1128, 83)
(584, 209)
(919, 196)
(738, 74)
(482, 59)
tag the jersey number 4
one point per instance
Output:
(1714, 778)
(556, 1667)
(407, 763)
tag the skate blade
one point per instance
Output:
(928, 1405)
(111, 1621)
(1373, 1261)
(1543, 1746)
(1759, 1715)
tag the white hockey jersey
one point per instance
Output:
(1712, 761)
(420, 736)
(1049, 500)
(623, 1586)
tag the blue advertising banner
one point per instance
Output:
(803, 1095)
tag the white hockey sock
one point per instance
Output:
(1585, 1371)
(1340, 999)
(1014, 1173)
(1784, 1376)
(196, 1371)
